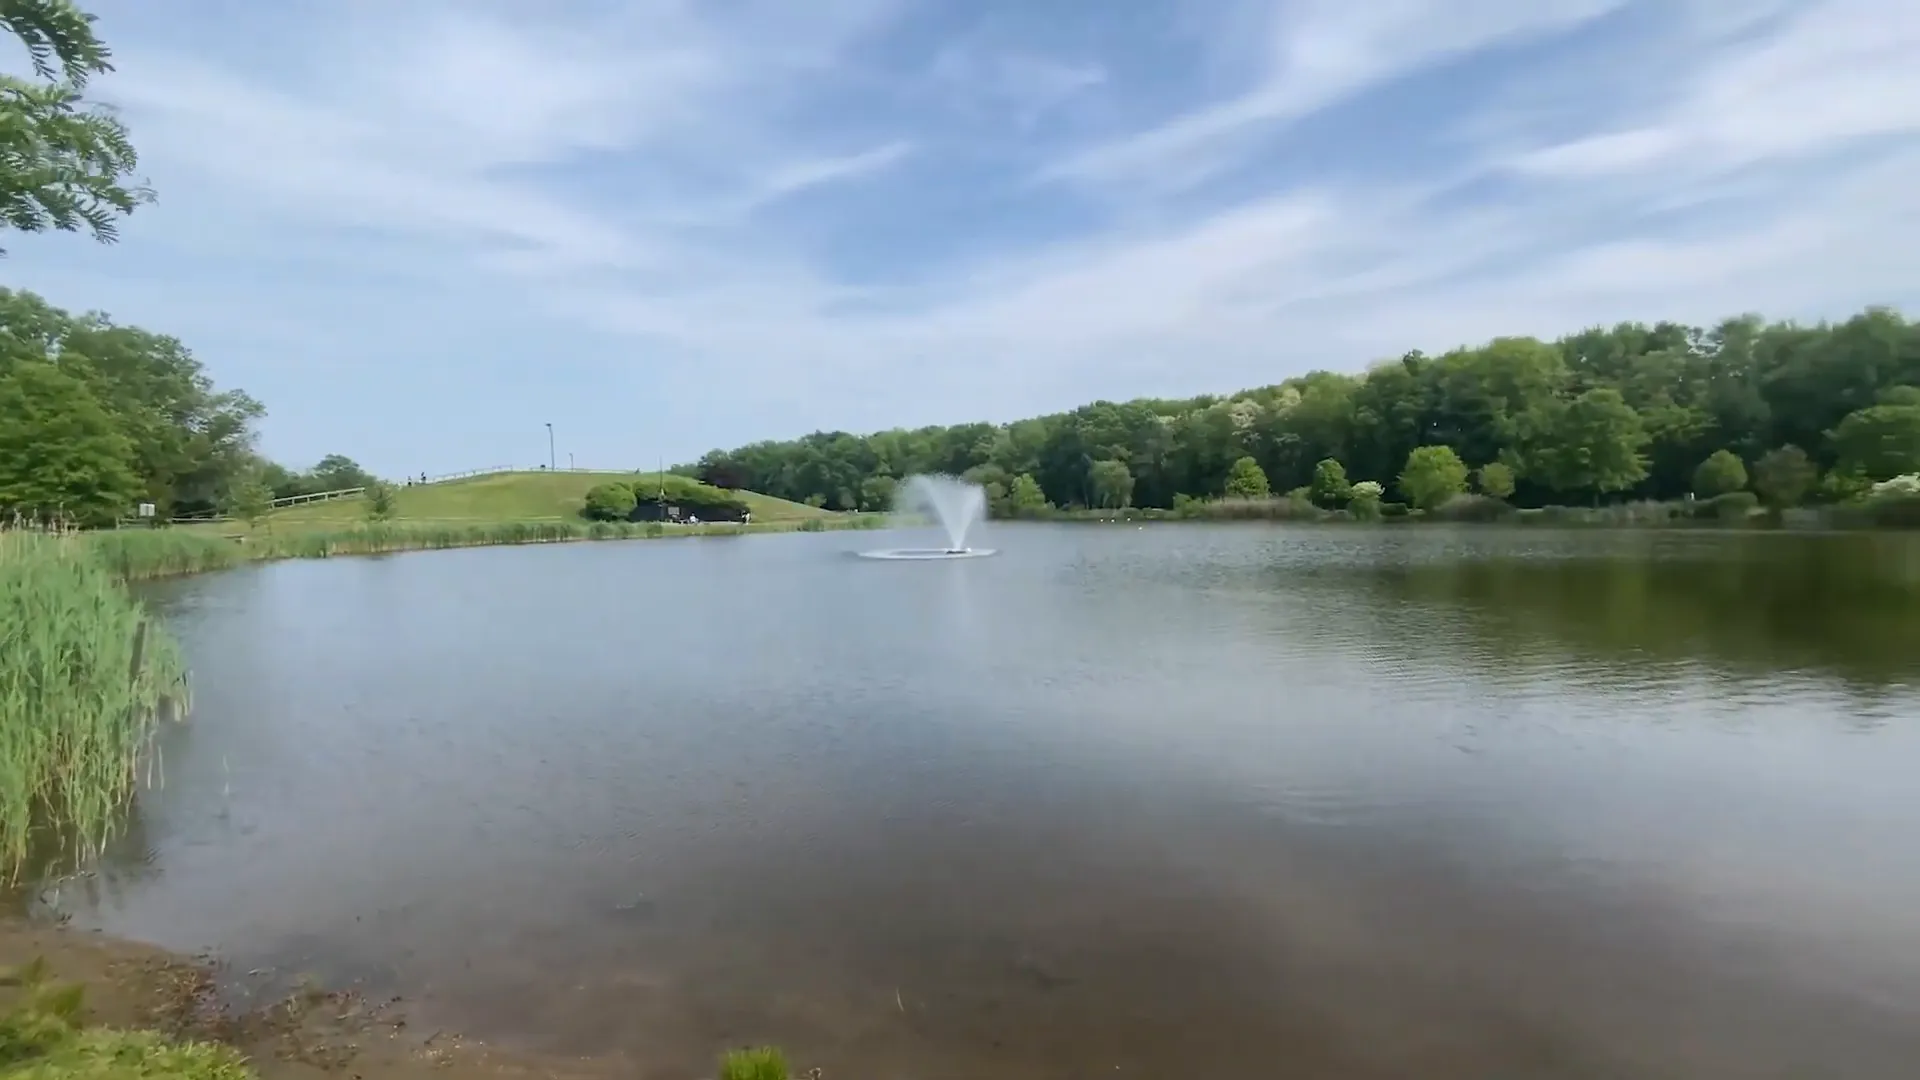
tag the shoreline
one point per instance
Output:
(313, 1033)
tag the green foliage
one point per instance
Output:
(876, 493)
(187, 442)
(1024, 497)
(1495, 480)
(61, 455)
(1330, 488)
(686, 492)
(1433, 474)
(1783, 476)
(612, 501)
(380, 501)
(1246, 480)
(1109, 484)
(1721, 473)
(1480, 508)
(251, 499)
(64, 163)
(1589, 444)
(760, 1063)
(42, 1038)
(1733, 505)
(1879, 441)
(1843, 486)
(82, 677)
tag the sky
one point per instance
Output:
(420, 232)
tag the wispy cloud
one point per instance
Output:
(778, 222)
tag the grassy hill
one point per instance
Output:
(502, 497)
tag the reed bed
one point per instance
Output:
(85, 676)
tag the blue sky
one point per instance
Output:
(419, 231)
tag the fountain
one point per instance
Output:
(956, 504)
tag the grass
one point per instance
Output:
(489, 500)
(83, 678)
(757, 1063)
(42, 1038)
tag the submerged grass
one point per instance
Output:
(84, 676)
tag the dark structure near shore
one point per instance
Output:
(672, 509)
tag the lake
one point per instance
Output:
(1173, 801)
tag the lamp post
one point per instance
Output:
(550, 458)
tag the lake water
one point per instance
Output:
(1174, 801)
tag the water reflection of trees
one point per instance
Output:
(1845, 606)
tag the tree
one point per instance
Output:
(1246, 480)
(1495, 480)
(1433, 475)
(1879, 441)
(876, 493)
(1110, 484)
(1783, 476)
(1590, 444)
(252, 499)
(1363, 500)
(61, 456)
(380, 500)
(1330, 487)
(338, 472)
(610, 502)
(190, 442)
(1560, 415)
(64, 163)
(1024, 497)
(1720, 473)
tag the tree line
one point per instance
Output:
(1800, 412)
(96, 418)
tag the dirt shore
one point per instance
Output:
(314, 1035)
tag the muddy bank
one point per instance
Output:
(312, 1035)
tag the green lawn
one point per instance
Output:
(500, 497)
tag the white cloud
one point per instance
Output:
(1323, 51)
(1836, 72)
(641, 188)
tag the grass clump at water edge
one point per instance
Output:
(84, 676)
(41, 1038)
(755, 1063)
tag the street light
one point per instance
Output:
(550, 458)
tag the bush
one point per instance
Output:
(1393, 509)
(1733, 505)
(1722, 473)
(1894, 511)
(609, 502)
(1475, 508)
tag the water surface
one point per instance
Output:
(1159, 802)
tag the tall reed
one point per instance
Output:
(84, 677)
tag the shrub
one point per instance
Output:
(1734, 505)
(1393, 509)
(1330, 487)
(1476, 508)
(1246, 480)
(609, 502)
(1495, 480)
(1721, 473)
(379, 496)
(1433, 474)
(1895, 512)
